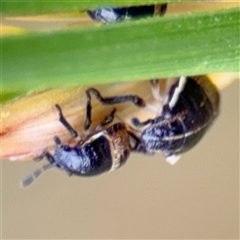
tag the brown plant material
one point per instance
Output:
(29, 124)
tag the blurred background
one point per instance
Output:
(147, 198)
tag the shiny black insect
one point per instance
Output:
(108, 15)
(101, 151)
(191, 105)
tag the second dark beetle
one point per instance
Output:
(108, 15)
(191, 107)
(105, 149)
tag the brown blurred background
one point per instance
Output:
(198, 198)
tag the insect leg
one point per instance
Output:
(40, 158)
(117, 99)
(57, 140)
(109, 100)
(109, 118)
(138, 147)
(50, 158)
(163, 9)
(137, 123)
(88, 120)
(65, 123)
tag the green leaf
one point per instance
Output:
(189, 44)
(31, 7)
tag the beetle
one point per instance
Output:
(187, 111)
(191, 107)
(102, 150)
(109, 15)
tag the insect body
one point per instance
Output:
(192, 105)
(101, 151)
(108, 15)
(189, 109)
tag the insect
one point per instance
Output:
(102, 150)
(191, 106)
(108, 15)
(188, 110)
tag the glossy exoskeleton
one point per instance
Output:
(102, 150)
(189, 109)
(192, 105)
(108, 14)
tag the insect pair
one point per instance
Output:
(189, 108)
(109, 15)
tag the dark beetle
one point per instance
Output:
(191, 107)
(101, 151)
(108, 15)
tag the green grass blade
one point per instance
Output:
(195, 43)
(30, 7)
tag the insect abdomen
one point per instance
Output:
(91, 159)
(184, 125)
(99, 154)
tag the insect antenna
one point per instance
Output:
(31, 177)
